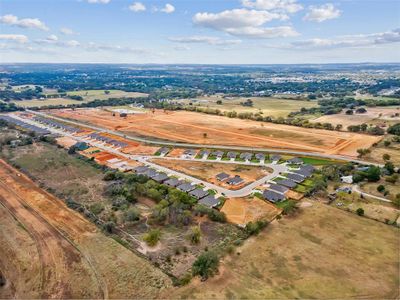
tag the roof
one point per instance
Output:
(231, 154)
(303, 173)
(209, 201)
(295, 177)
(295, 160)
(163, 150)
(222, 176)
(24, 125)
(275, 157)
(307, 168)
(235, 180)
(246, 155)
(150, 173)
(287, 182)
(160, 177)
(173, 182)
(218, 153)
(186, 187)
(189, 152)
(260, 156)
(278, 188)
(204, 152)
(273, 196)
(141, 169)
(198, 193)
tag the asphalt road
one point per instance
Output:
(199, 146)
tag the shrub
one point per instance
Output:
(131, 215)
(96, 208)
(380, 188)
(255, 228)
(194, 235)
(152, 237)
(109, 227)
(360, 211)
(206, 265)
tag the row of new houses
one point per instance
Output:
(202, 196)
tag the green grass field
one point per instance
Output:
(268, 106)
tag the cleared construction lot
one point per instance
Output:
(200, 128)
(65, 256)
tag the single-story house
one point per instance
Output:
(186, 187)
(295, 177)
(287, 182)
(346, 189)
(150, 173)
(209, 201)
(80, 146)
(189, 153)
(308, 168)
(236, 180)
(231, 154)
(218, 154)
(160, 177)
(198, 193)
(278, 188)
(295, 161)
(276, 158)
(173, 182)
(260, 156)
(163, 151)
(141, 169)
(347, 179)
(246, 155)
(222, 176)
(303, 173)
(203, 153)
(273, 196)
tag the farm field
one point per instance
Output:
(208, 170)
(240, 211)
(88, 95)
(309, 256)
(374, 115)
(75, 259)
(208, 129)
(268, 106)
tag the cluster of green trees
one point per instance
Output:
(394, 129)
(9, 107)
(373, 130)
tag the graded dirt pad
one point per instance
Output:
(190, 127)
(240, 211)
(74, 258)
(141, 150)
(66, 141)
(322, 252)
(208, 170)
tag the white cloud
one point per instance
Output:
(348, 41)
(71, 43)
(137, 7)
(210, 40)
(67, 31)
(289, 6)
(23, 23)
(52, 37)
(168, 8)
(99, 1)
(19, 38)
(245, 23)
(322, 13)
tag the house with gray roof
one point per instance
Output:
(231, 154)
(222, 176)
(260, 156)
(303, 173)
(204, 153)
(218, 154)
(309, 168)
(189, 153)
(150, 173)
(276, 158)
(173, 182)
(198, 193)
(141, 169)
(295, 177)
(209, 201)
(287, 182)
(236, 180)
(295, 161)
(273, 196)
(160, 177)
(278, 188)
(246, 155)
(186, 187)
(163, 151)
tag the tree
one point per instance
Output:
(360, 211)
(194, 235)
(349, 112)
(373, 174)
(396, 201)
(364, 126)
(339, 127)
(394, 129)
(361, 110)
(219, 102)
(380, 188)
(206, 265)
(386, 157)
(131, 215)
(205, 135)
(363, 152)
(386, 143)
(152, 237)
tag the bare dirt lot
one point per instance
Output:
(240, 211)
(322, 252)
(208, 170)
(209, 129)
(75, 260)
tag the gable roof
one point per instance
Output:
(273, 196)
(141, 169)
(260, 156)
(204, 152)
(231, 154)
(186, 187)
(222, 176)
(303, 173)
(246, 155)
(189, 152)
(295, 160)
(278, 188)
(209, 201)
(163, 150)
(235, 180)
(160, 177)
(173, 182)
(276, 157)
(287, 182)
(295, 177)
(218, 153)
(198, 193)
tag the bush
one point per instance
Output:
(152, 237)
(96, 208)
(255, 228)
(360, 211)
(206, 265)
(380, 188)
(194, 235)
(109, 227)
(131, 215)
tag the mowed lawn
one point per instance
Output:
(322, 252)
(268, 106)
(87, 95)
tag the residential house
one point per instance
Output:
(218, 154)
(295, 161)
(173, 182)
(278, 188)
(186, 187)
(222, 176)
(198, 193)
(295, 177)
(141, 169)
(160, 177)
(246, 156)
(236, 180)
(287, 182)
(260, 156)
(209, 201)
(231, 154)
(273, 196)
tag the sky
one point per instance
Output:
(199, 31)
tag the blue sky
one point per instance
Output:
(199, 31)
